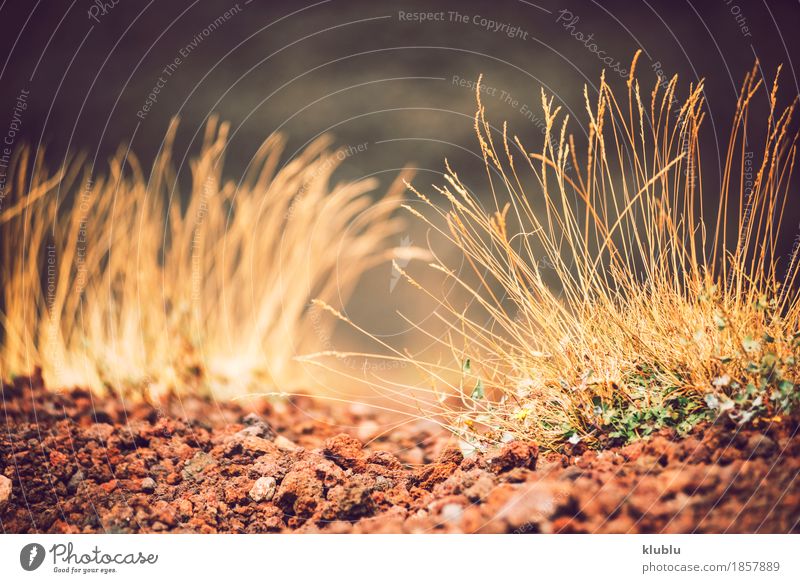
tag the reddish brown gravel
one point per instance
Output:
(72, 462)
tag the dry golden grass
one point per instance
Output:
(605, 298)
(123, 282)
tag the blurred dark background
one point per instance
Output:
(360, 69)
(371, 72)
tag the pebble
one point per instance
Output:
(256, 444)
(480, 489)
(75, 482)
(256, 427)
(534, 503)
(263, 489)
(185, 507)
(284, 444)
(195, 466)
(109, 486)
(148, 485)
(345, 451)
(100, 432)
(452, 513)
(760, 445)
(512, 455)
(5, 492)
(415, 456)
(360, 409)
(368, 430)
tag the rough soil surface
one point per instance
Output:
(71, 462)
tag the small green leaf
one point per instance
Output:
(466, 366)
(477, 392)
(746, 417)
(750, 344)
(726, 406)
(712, 401)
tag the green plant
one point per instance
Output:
(609, 296)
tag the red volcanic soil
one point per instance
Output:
(72, 462)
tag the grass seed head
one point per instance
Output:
(607, 295)
(122, 281)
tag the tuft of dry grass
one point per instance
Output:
(606, 299)
(123, 282)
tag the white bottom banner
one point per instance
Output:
(371, 558)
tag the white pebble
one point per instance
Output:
(263, 489)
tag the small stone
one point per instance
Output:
(536, 503)
(263, 489)
(75, 482)
(253, 419)
(382, 483)
(368, 430)
(344, 451)
(100, 432)
(267, 465)
(452, 513)
(197, 465)
(256, 427)
(173, 478)
(479, 490)
(415, 456)
(109, 486)
(5, 492)
(257, 444)
(148, 485)
(360, 409)
(512, 455)
(385, 459)
(351, 500)
(185, 507)
(300, 491)
(284, 444)
(760, 445)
